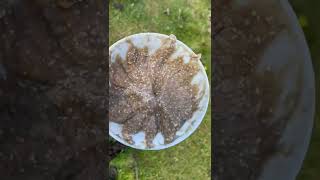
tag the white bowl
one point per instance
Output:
(289, 50)
(153, 41)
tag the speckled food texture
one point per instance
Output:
(52, 89)
(152, 92)
(243, 100)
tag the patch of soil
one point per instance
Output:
(114, 149)
(52, 90)
(243, 100)
(112, 173)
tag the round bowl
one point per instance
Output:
(289, 58)
(153, 41)
(270, 138)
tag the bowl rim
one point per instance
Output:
(196, 122)
(273, 168)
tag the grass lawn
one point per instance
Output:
(189, 21)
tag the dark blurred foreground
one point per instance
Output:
(52, 90)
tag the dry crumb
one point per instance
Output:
(152, 93)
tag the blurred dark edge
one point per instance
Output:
(53, 101)
(307, 10)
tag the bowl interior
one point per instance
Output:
(289, 58)
(153, 42)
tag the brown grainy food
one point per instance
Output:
(52, 90)
(242, 99)
(152, 93)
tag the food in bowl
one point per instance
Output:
(153, 92)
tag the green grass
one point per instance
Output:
(190, 159)
(189, 21)
(308, 13)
